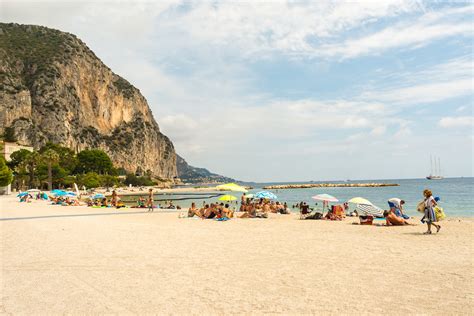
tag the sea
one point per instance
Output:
(456, 194)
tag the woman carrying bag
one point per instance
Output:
(430, 215)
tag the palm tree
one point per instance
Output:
(50, 157)
(33, 160)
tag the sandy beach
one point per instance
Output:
(76, 260)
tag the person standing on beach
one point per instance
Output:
(114, 198)
(430, 216)
(149, 201)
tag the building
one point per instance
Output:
(6, 149)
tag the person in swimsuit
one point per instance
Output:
(393, 220)
(149, 201)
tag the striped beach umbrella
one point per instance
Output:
(266, 195)
(365, 209)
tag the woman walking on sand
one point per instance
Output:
(430, 216)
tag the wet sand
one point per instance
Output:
(77, 260)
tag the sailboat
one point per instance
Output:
(435, 173)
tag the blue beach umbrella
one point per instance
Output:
(71, 193)
(266, 195)
(21, 194)
(60, 193)
(98, 196)
(56, 191)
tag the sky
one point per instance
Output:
(291, 90)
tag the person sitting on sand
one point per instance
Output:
(227, 211)
(193, 210)
(393, 220)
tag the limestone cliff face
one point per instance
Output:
(53, 88)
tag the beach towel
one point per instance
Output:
(222, 219)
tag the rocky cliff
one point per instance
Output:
(54, 88)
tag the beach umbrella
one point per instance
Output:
(266, 195)
(359, 200)
(98, 196)
(60, 193)
(231, 187)
(366, 209)
(325, 197)
(33, 190)
(56, 191)
(71, 193)
(227, 198)
(21, 194)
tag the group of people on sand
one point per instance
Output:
(64, 200)
(212, 210)
(261, 208)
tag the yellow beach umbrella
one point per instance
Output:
(227, 198)
(359, 200)
(231, 187)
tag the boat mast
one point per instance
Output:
(431, 163)
(439, 166)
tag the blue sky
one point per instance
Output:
(291, 90)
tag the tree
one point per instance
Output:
(17, 157)
(108, 180)
(51, 157)
(90, 180)
(32, 161)
(67, 157)
(6, 175)
(94, 160)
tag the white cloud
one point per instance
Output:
(428, 28)
(457, 121)
(443, 81)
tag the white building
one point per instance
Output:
(6, 149)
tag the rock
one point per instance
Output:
(54, 88)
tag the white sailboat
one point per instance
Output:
(435, 173)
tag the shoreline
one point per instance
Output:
(329, 185)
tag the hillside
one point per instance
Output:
(54, 88)
(190, 174)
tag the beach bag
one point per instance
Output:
(421, 207)
(439, 212)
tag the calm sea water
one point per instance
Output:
(456, 194)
